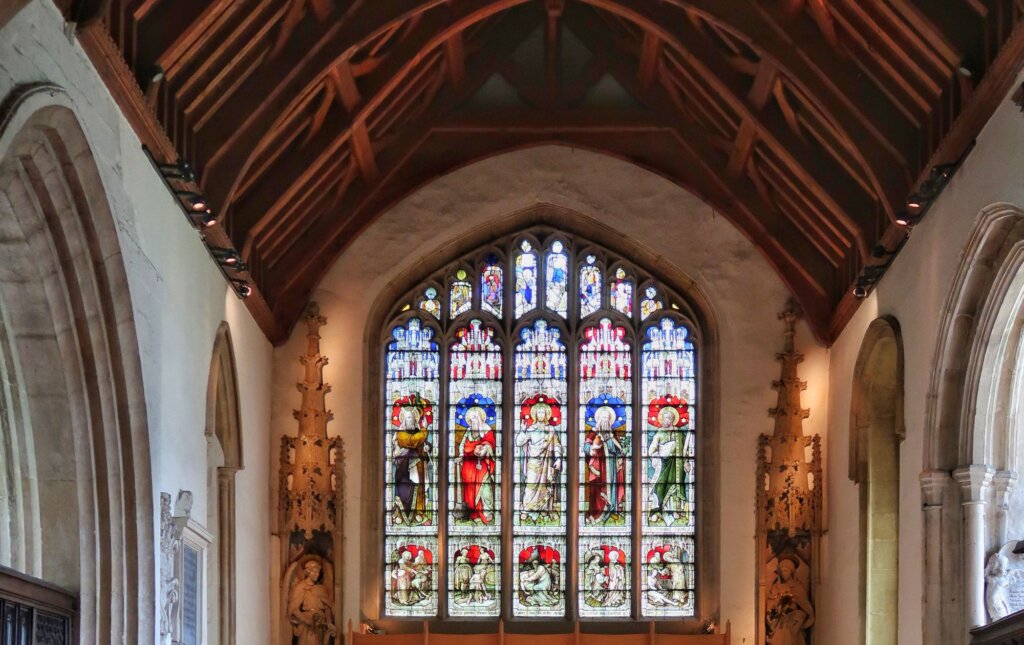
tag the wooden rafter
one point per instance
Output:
(306, 118)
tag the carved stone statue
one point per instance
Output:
(171, 527)
(310, 608)
(788, 510)
(1004, 582)
(996, 587)
(790, 612)
(311, 507)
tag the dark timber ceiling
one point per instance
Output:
(807, 123)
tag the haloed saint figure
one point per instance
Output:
(475, 465)
(670, 451)
(605, 463)
(412, 465)
(541, 451)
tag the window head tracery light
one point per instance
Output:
(596, 376)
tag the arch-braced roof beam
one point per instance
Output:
(296, 69)
(854, 209)
(885, 145)
(436, 147)
(268, 201)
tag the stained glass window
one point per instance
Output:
(621, 295)
(590, 287)
(491, 292)
(557, 276)
(526, 279)
(410, 500)
(539, 497)
(461, 298)
(668, 385)
(606, 449)
(430, 303)
(600, 440)
(651, 303)
(474, 471)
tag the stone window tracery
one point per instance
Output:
(540, 439)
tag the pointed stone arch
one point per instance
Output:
(71, 350)
(971, 426)
(570, 224)
(876, 430)
(223, 431)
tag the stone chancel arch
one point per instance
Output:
(75, 419)
(972, 439)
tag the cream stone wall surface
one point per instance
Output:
(744, 292)
(178, 297)
(914, 291)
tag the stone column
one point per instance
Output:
(1003, 484)
(933, 489)
(974, 482)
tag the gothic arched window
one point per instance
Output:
(540, 439)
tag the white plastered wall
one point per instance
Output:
(179, 299)
(744, 291)
(914, 291)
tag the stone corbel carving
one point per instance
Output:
(789, 488)
(172, 525)
(1004, 582)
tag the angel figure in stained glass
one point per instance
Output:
(412, 465)
(475, 464)
(541, 452)
(605, 459)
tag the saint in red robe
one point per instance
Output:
(476, 469)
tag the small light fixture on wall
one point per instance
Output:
(192, 200)
(242, 287)
(228, 258)
(919, 202)
(182, 170)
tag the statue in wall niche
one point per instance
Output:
(790, 612)
(1004, 582)
(788, 511)
(310, 608)
(311, 507)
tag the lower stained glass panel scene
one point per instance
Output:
(604, 577)
(538, 574)
(411, 576)
(474, 587)
(667, 577)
